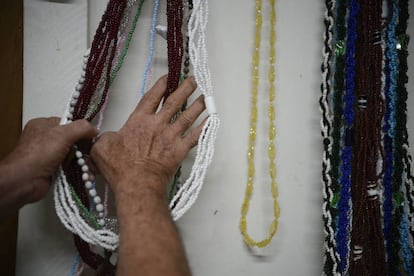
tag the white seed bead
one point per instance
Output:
(101, 222)
(73, 102)
(88, 184)
(70, 117)
(81, 80)
(92, 192)
(71, 110)
(85, 168)
(99, 207)
(83, 74)
(81, 161)
(85, 176)
(76, 94)
(86, 54)
(84, 66)
(78, 87)
(97, 199)
(78, 154)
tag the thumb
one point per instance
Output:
(78, 130)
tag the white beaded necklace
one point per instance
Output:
(197, 30)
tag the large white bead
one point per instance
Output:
(81, 161)
(88, 185)
(78, 154)
(97, 199)
(85, 168)
(99, 207)
(75, 94)
(101, 222)
(92, 192)
(85, 176)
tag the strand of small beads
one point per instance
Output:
(337, 121)
(331, 258)
(188, 6)
(367, 255)
(345, 205)
(253, 128)
(151, 47)
(197, 30)
(174, 44)
(389, 121)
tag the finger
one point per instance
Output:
(151, 100)
(174, 102)
(188, 117)
(77, 130)
(192, 137)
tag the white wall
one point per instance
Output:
(56, 35)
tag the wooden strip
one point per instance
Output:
(11, 97)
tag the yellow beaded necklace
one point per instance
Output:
(253, 124)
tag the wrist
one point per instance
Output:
(135, 180)
(15, 186)
(25, 181)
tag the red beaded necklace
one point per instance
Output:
(174, 44)
(101, 56)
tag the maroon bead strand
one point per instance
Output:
(174, 44)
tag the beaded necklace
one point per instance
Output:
(197, 31)
(344, 204)
(174, 43)
(367, 255)
(331, 258)
(389, 121)
(151, 47)
(253, 123)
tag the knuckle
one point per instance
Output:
(184, 120)
(84, 124)
(33, 123)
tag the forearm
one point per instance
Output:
(14, 189)
(149, 241)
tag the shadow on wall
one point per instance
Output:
(58, 1)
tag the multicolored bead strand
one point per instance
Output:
(331, 258)
(345, 206)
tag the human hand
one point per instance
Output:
(149, 146)
(42, 147)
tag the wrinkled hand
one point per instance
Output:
(42, 147)
(149, 146)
